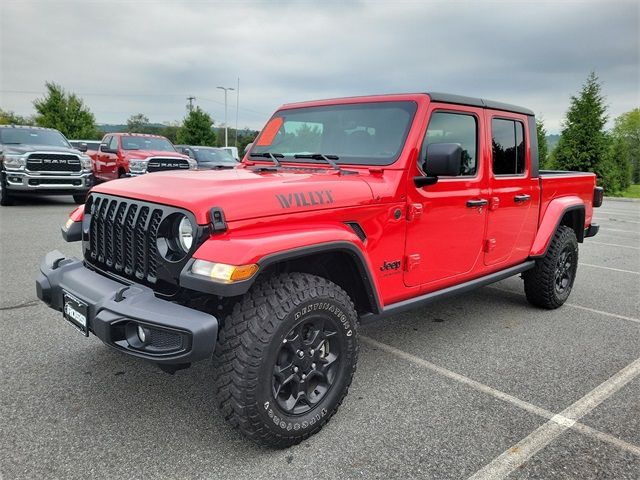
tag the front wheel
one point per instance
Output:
(5, 199)
(285, 358)
(549, 283)
(80, 199)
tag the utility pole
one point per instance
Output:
(237, 107)
(190, 107)
(226, 132)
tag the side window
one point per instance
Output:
(113, 145)
(460, 128)
(507, 139)
(106, 141)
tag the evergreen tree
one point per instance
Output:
(138, 123)
(584, 145)
(65, 112)
(10, 118)
(197, 129)
(543, 147)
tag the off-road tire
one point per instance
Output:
(540, 282)
(80, 199)
(5, 199)
(250, 343)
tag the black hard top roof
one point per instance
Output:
(477, 102)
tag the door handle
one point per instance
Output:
(522, 198)
(477, 203)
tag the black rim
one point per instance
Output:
(307, 365)
(564, 270)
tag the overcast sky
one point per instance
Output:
(148, 56)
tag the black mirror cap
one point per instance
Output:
(83, 147)
(104, 147)
(443, 160)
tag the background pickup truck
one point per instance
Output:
(120, 154)
(41, 161)
(343, 211)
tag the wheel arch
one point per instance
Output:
(568, 211)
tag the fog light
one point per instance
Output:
(142, 334)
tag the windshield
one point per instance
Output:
(147, 143)
(32, 136)
(213, 155)
(363, 133)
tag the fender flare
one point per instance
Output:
(552, 219)
(194, 282)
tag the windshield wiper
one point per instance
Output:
(272, 156)
(319, 156)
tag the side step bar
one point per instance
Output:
(422, 300)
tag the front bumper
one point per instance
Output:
(185, 335)
(30, 182)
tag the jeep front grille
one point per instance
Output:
(161, 164)
(53, 162)
(122, 239)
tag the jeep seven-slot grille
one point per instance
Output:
(161, 164)
(53, 162)
(122, 237)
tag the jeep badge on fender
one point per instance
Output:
(270, 268)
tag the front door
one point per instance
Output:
(110, 165)
(513, 204)
(446, 221)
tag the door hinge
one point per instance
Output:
(412, 262)
(490, 245)
(414, 211)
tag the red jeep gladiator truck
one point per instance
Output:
(131, 154)
(342, 212)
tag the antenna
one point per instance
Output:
(190, 106)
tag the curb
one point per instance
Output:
(622, 199)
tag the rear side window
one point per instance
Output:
(507, 139)
(447, 127)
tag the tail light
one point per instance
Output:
(598, 196)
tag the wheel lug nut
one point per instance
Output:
(295, 369)
(311, 352)
(300, 353)
(313, 365)
(284, 341)
(304, 376)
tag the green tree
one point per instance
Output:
(138, 123)
(626, 143)
(65, 112)
(11, 118)
(197, 129)
(584, 145)
(543, 146)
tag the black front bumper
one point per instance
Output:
(185, 335)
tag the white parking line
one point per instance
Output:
(515, 456)
(573, 305)
(616, 230)
(611, 214)
(558, 419)
(611, 244)
(608, 268)
(615, 220)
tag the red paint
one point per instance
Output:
(438, 239)
(109, 165)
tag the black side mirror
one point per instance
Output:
(83, 147)
(442, 160)
(248, 147)
(104, 148)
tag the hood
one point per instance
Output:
(242, 193)
(152, 153)
(26, 148)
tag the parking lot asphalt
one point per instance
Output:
(481, 385)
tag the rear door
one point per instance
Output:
(446, 221)
(513, 204)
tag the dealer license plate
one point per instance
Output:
(75, 312)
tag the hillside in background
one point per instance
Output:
(552, 141)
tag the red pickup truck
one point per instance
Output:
(123, 154)
(343, 211)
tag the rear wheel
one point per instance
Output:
(549, 283)
(285, 358)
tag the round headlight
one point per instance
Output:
(185, 234)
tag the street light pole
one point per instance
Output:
(226, 133)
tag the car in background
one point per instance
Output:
(41, 161)
(124, 154)
(209, 158)
(91, 145)
(233, 151)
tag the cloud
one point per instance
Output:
(148, 56)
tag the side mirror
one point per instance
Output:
(248, 147)
(104, 148)
(442, 160)
(83, 147)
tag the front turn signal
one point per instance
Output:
(222, 272)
